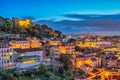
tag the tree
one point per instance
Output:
(72, 40)
(35, 30)
(42, 68)
(66, 61)
(10, 76)
(42, 73)
(77, 48)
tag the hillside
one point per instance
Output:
(9, 26)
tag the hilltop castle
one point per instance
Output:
(21, 23)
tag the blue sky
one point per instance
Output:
(53, 12)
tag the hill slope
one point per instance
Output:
(34, 30)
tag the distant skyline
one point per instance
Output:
(68, 16)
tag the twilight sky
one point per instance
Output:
(68, 16)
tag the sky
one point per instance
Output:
(68, 16)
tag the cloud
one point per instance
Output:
(105, 22)
(92, 22)
(93, 16)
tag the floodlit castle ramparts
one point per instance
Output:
(22, 23)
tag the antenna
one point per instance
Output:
(88, 32)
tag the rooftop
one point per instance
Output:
(93, 59)
(4, 45)
(28, 50)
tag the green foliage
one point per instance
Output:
(72, 40)
(42, 73)
(42, 68)
(80, 72)
(77, 48)
(66, 61)
(7, 26)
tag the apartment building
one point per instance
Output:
(6, 56)
(67, 49)
(26, 58)
(25, 44)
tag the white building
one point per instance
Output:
(28, 58)
(6, 56)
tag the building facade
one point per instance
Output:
(25, 44)
(6, 56)
(26, 58)
(67, 49)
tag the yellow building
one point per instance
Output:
(25, 44)
(24, 23)
(93, 62)
(80, 62)
(67, 49)
(55, 42)
(34, 43)
(83, 43)
(88, 44)
(62, 49)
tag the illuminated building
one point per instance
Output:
(28, 57)
(86, 68)
(62, 49)
(24, 23)
(27, 52)
(55, 42)
(6, 56)
(86, 43)
(91, 61)
(67, 49)
(54, 50)
(34, 43)
(104, 44)
(25, 44)
(112, 62)
(118, 64)
(21, 23)
(93, 44)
